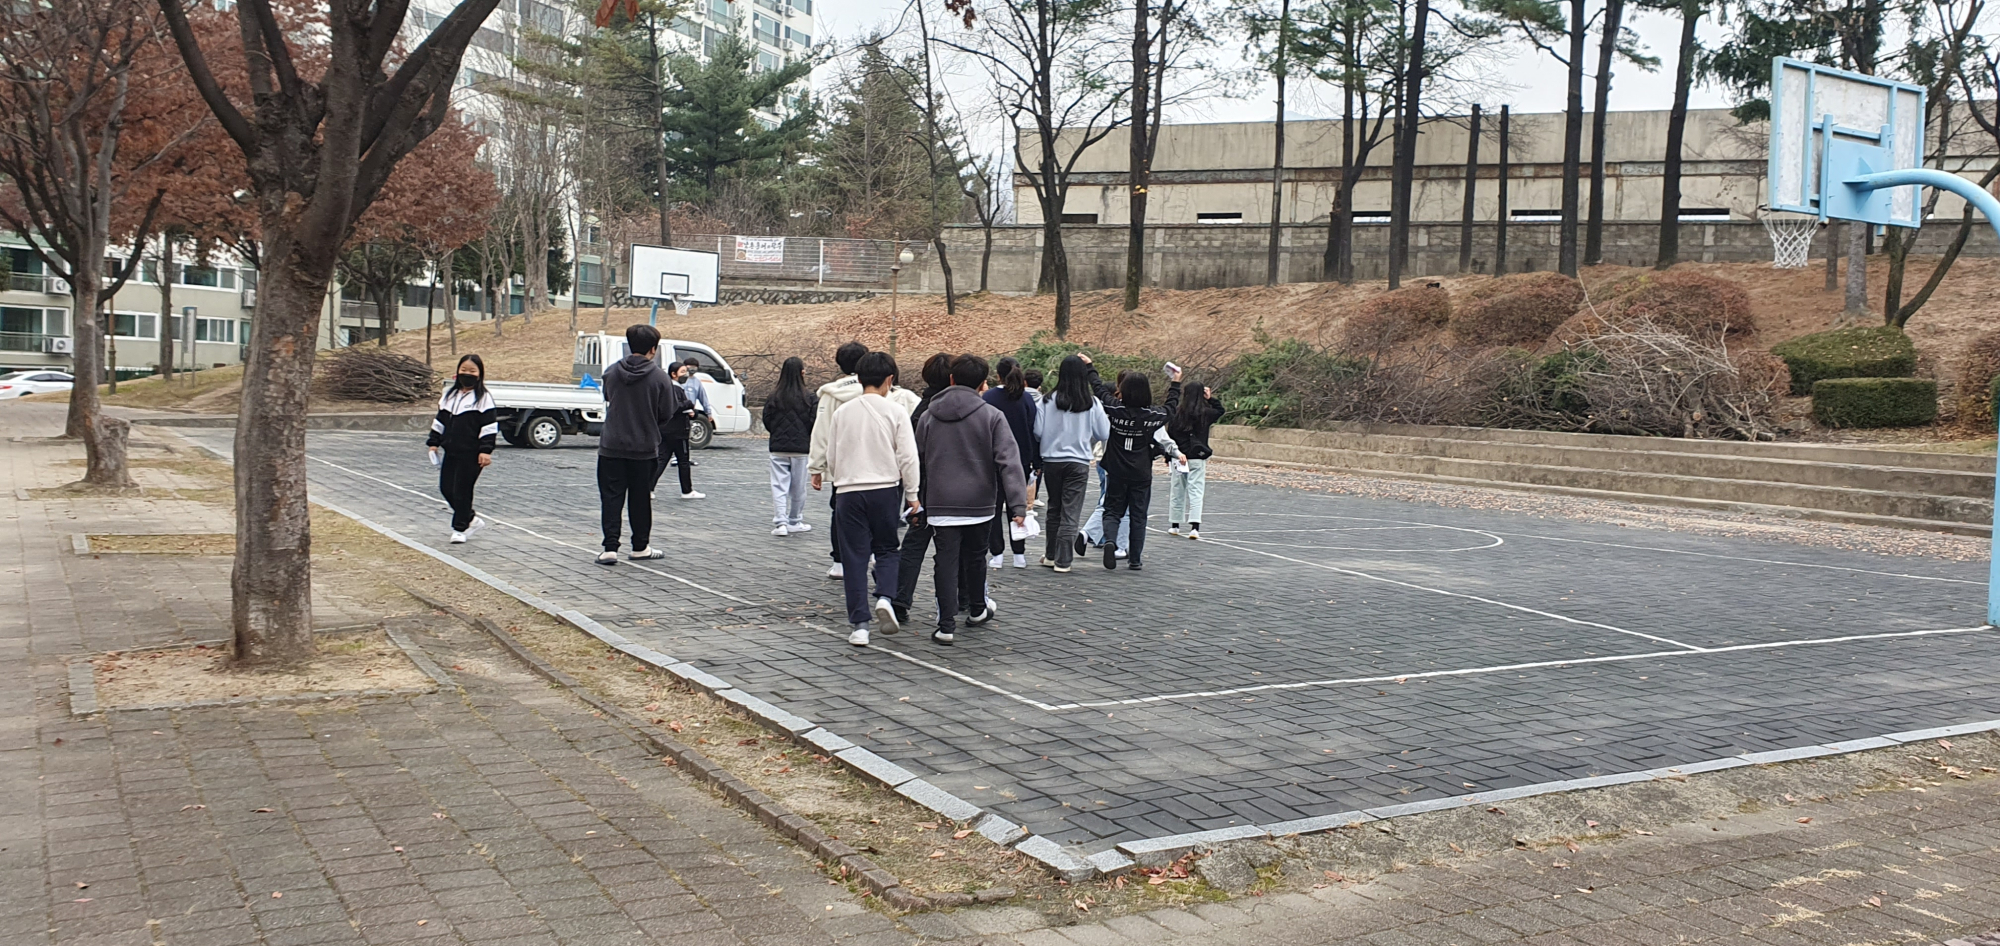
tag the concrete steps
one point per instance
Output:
(1905, 489)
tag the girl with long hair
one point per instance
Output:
(1066, 428)
(1187, 480)
(1138, 434)
(1013, 402)
(461, 442)
(788, 417)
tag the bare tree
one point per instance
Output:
(1670, 181)
(329, 124)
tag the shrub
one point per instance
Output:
(1517, 310)
(1976, 377)
(1254, 388)
(1639, 379)
(1874, 402)
(371, 373)
(1880, 351)
(1687, 303)
(1046, 353)
(1397, 318)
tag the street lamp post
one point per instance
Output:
(895, 270)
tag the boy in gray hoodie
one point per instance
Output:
(969, 456)
(640, 403)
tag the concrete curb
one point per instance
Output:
(354, 421)
(776, 816)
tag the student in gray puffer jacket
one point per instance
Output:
(788, 417)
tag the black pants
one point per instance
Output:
(868, 521)
(833, 521)
(455, 479)
(1064, 481)
(676, 448)
(623, 484)
(916, 542)
(960, 574)
(1122, 497)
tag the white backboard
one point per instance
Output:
(664, 272)
(1875, 125)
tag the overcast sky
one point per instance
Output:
(1530, 81)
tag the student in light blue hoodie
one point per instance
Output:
(1069, 424)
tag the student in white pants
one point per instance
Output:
(788, 417)
(1197, 411)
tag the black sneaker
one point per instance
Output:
(943, 637)
(902, 614)
(1134, 565)
(1110, 556)
(1082, 547)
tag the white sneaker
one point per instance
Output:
(637, 554)
(836, 571)
(458, 538)
(694, 495)
(996, 561)
(985, 614)
(859, 636)
(477, 524)
(885, 616)
(1121, 553)
(608, 558)
(780, 530)
(1020, 561)
(798, 527)
(1174, 529)
(1194, 533)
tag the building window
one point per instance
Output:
(135, 325)
(719, 12)
(803, 6)
(1704, 214)
(772, 5)
(207, 277)
(215, 330)
(1371, 217)
(1536, 216)
(766, 62)
(765, 29)
(1079, 218)
(803, 39)
(1219, 218)
(687, 28)
(25, 271)
(23, 329)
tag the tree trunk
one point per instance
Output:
(451, 302)
(1505, 187)
(986, 253)
(944, 266)
(107, 444)
(1340, 224)
(1857, 271)
(430, 316)
(1409, 119)
(385, 317)
(1138, 161)
(1897, 245)
(1833, 231)
(1607, 49)
(659, 133)
(166, 366)
(1670, 183)
(535, 246)
(1062, 286)
(1051, 245)
(1278, 146)
(1471, 193)
(101, 468)
(1572, 143)
(271, 615)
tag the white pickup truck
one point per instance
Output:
(538, 415)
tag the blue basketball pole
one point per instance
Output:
(1977, 197)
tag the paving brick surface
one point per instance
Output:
(1312, 655)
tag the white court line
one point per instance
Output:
(1536, 665)
(1206, 694)
(1452, 594)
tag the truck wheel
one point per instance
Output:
(700, 435)
(542, 432)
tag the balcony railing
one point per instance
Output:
(37, 282)
(25, 341)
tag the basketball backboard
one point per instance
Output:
(1828, 127)
(665, 272)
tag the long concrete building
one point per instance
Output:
(1220, 173)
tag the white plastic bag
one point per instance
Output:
(1027, 530)
(437, 458)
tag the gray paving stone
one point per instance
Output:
(938, 800)
(1058, 860)
(874, 766)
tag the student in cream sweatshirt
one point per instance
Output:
(871, 458)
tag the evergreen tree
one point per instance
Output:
(876, 160)
(711, 124)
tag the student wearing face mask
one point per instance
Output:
(461, 443)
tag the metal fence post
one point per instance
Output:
(822, 262)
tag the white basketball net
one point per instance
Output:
(682, 304)
(1791, 238)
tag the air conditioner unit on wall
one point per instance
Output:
(57, 345)
(249, 298)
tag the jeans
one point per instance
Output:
(868, 522)
(788, 490)
(1184, 492)
(623, 483)
(1065, 482)
(1125, 502)
(455, 479)
(960, 574)
(677, 449)
(1093, 530)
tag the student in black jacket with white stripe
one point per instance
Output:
(464, 429)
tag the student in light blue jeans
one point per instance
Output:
(1184, 492)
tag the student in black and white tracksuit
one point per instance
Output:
(464, 431)
(1138, 434)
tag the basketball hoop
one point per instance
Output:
(681, 305)
(1791, 238)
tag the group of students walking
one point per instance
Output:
(957, 468)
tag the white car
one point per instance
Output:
(18, 383)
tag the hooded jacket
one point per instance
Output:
(831, 396)
(640, 405)
(969, 456)
(1020, 413)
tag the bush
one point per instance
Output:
(1046, 353)
(1874, 402)
(1976, 377)
(372, 373)
(1256, 387)
(1639, 379)
(1396, 318)
(1687, 303)
(1517, 310)
(1881, 351)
